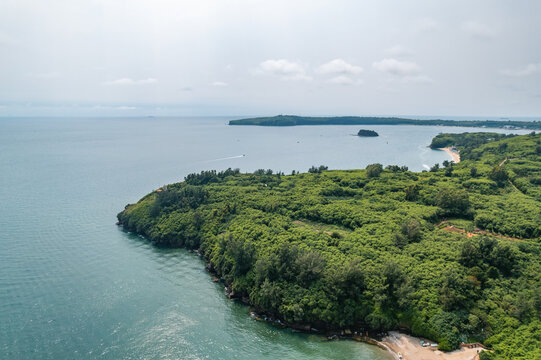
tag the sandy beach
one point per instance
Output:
(454, 155)
(411, 349)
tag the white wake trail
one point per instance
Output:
(226, 158)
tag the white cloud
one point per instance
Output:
(478, 30)
(344, 80)
(219, 84)
(396, 67)
(125, 108)
(399, 51)
(527, 70)
(130, 82)
(288, 70)
(3, 107)
(426, 24)
(339, 66)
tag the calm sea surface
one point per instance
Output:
(74, 286)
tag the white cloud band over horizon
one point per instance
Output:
(254, 57)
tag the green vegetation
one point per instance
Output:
(452, 255)
(292, 120)
(469, 140)
(369, 133)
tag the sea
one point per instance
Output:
(73, 285)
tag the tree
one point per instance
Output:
(242, 254)
(410, 230)
(396, 168)
(499, 174)
(311, 265)
(393, 278)
(267, 297)
(488, 254)
(374, 170)
(318, 170)
(456, 291)
(412, 192)
(454, 202)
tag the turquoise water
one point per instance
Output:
(74, 286)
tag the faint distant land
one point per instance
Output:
(368, 133)
(293, 120)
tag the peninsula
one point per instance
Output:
(451, 255)
(293, 120)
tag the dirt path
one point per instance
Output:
(510, 182)
(476, 232)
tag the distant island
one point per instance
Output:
(369, 133)
(293, 120)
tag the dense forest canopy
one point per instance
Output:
(466, 140)
(452, 254)
(293, 120)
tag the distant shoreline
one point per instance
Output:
(293, 120)
(455, 155)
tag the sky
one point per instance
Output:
(251, 58)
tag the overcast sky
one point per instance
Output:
(227, 57)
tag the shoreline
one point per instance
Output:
(455, 155)
(394, 342)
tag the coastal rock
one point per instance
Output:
(301, 327)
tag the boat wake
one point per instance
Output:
(226, 158)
